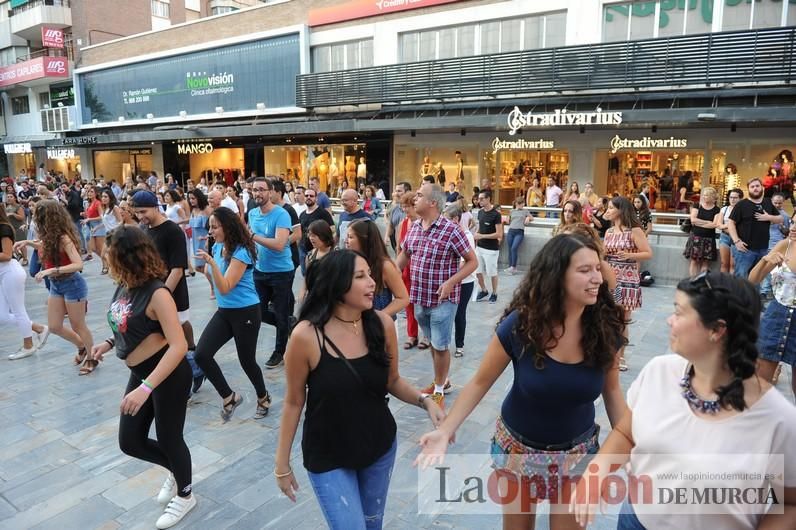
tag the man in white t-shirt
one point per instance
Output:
(552, 196)
(227, 201)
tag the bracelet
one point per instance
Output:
(736, 241)
(421, 400)
(145, 388)
(283, 475)
(111, 342)
(147, 384)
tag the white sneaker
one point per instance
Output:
(41, 338)
(177, 508)
(168, 490)
(22, 353)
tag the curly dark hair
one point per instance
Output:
(538, 300)
(132, 257)
(53, 223)
(722, 299)
(201, 198)
(328, 280)
(235, 233)
(371, 245)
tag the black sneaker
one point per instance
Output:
(277, 359)
(493, 298)
(481, 296)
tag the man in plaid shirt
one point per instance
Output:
(436, 245)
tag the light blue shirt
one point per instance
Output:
(266, 225)
(244, 293)
(774, 233)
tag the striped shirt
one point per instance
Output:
(435, 255)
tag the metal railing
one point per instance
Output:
(705, 60)
(37, 3)
(67, 51)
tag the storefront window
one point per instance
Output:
(331, 164)
(413, 161)
(517, 168)
(752, 160)
(123, 163)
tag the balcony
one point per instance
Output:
(714, 60)
(28, 18)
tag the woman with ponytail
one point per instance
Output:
(704, 410)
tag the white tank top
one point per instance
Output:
(109, 220)
(172, 213)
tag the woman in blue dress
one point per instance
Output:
(200, 215)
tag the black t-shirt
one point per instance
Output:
(706, 215)
(6, 231)
(294, 220)
(487, 224)
(307, 219)
(751, 231)
(170, 241)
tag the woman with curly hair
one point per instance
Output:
(625, 245)
(148, 337)
(391, 295)
(12, 294)
(706, 410)
(231, 267)
(59, 253)
(561, 333)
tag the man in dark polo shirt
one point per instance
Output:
(748, 227)
(487, 245)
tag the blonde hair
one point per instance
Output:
(710, 192)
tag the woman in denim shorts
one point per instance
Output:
(777, 339)
(546, 432)
(725, 242)
(59, 251)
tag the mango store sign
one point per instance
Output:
(194, 149)
(617, 143)
(560, 118)
(521, 145)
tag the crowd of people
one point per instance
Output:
(564, 329)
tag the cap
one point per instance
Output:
(144, 199)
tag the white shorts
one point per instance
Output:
(487, 261)
(184, 316)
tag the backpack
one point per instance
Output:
(646, 278)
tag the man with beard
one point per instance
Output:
(748, 226)
(312, 213)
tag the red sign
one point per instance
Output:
(52, 38)
(355, 9)
(34, 69)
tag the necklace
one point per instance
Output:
(354, 323)
(696, 402)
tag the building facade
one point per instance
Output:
(493, 92)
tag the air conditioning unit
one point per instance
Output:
(58, 119)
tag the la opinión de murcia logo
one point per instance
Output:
(646, 142)
(560, 117)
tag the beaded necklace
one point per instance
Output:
(696, 402)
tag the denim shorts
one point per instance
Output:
(436, 323)
(97, 229)
(777, 340)
(71, 288)
(725, 240)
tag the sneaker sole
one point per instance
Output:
(18, 356)
(272, 366)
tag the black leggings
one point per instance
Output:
(460, 323)
(166, 406)
(242, 324)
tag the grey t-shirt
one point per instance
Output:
(517, 219)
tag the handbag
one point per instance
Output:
(686, 226)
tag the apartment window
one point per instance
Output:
(220, 10)
(20, 105)
(44, 100)
(342, 56)
(160, 8)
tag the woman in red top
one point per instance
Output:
(59, 251)
(93, 219)
(408, 206)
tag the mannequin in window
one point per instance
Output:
(362, 171)
(783, 163)
(427, 168)
(334, 172)
(459, 176)
(733, 180)
(440, 174)
(350, 167)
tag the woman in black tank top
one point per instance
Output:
(147, 335)
(342, 361)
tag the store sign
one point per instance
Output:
(194, 149)
(144, 151)
(52, 38)
(65, 95)
(560, 118)
(80, 140)
(521, 145)
(60, 154)
(618, 143)
(37, 68)
(227, 77)
(366, 8)
(17, 149)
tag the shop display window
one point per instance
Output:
(412, 162)
(763, 161)
(516, 169)
(331, 164)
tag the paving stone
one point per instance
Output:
(94, 513)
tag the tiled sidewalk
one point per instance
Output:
(60, 465)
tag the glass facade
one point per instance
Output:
(342, 56)
(229, 77)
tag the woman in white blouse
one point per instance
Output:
(703, 409)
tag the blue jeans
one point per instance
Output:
(628, 519)
(515, 238)
(355, 499)
(745, 261)
(436, 323)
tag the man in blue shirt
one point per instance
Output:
(321, 198)
(273, 272)
(351, 212)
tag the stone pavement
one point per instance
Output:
(60, 465)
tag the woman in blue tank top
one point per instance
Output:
(200, 215)
(560, 333)
(342, 361)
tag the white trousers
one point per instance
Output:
(12, 297)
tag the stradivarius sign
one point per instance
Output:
(646, 142)
(560, 118)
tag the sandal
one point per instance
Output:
(89, 365)
(80, 356)
(424, 345)
(104, 270)
(229, 407)
(622, 364)
(411, 343)
(263, 406)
